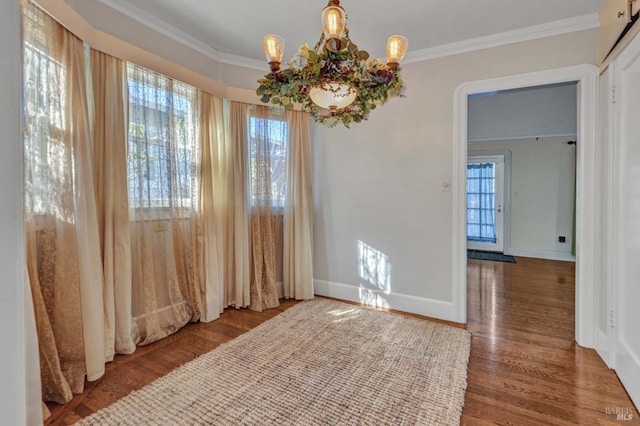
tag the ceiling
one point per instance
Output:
(237, 27)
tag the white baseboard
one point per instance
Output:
(628, 370)
(542, 254)
(401, 302)
(602, 347)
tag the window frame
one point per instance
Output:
(163, 207)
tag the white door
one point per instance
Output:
(485, 203)
(624, 315)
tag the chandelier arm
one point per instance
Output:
(319, 43)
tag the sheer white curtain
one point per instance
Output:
(163, 180)
(61, 233)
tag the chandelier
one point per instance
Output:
(335, 82)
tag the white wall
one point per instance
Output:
(524, 113)
(381, 181)
(12, 365)
(542, 195)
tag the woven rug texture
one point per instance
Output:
(320, 362)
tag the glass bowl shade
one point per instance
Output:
(333, 95)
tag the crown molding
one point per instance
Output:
(149, 20)
(243, 61)
(564, 26)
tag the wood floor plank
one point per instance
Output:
(524, 366)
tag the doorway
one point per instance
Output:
(586, 77)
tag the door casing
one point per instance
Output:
(587, 78)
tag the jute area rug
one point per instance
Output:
(319, 363)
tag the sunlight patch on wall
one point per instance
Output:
(374, 267)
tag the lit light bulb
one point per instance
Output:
(393, 48)
(396, 49)
(273, 48)
(334, 21)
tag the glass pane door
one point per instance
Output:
(484, 203)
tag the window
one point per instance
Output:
(48, 160)
(268, 139)
(162, 158)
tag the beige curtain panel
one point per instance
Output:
(298, 211)
(237, 262)
(87, 234)
(213, 200)
(35, 408)
(110, 178)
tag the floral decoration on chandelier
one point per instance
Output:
(334, 82)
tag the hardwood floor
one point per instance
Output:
(524, 368)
